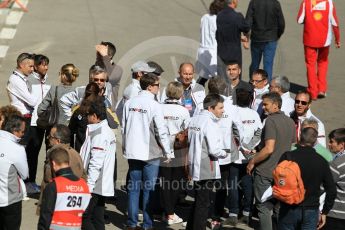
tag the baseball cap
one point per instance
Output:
(141, 66)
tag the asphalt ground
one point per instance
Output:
(163, 31)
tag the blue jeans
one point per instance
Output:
(291, 218)
(142, 175)
(259, 50)
(239, 179)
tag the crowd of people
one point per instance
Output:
(232, 139)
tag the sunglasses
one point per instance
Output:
(156, 84)
(297, 102)
(256, 81)
(99, 79)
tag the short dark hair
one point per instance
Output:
(111, 48)
(98, 108)
(261, 72)
(304, 91)
(13, 123)
(146, 80)
(243, 97)
(40, 59)
(158, 69)
(23, 56)
(338, 135)
(62, 133)
(59, 155)
(274, 97)
(216, 6)
(212, 100)
(308, 136)
(233, 62)
(217, 85)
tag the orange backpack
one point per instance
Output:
(288, 184)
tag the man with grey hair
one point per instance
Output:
(281, 85)
(279, 135)
(98, 75)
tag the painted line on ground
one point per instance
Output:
(3, 51)
(7, 33)
(14, 17)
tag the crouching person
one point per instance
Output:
(204, 151)
(65, 199)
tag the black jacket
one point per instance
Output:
(266, 20)
(315, 171)
(230, 25)
(49, 199)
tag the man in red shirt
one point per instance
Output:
(318, 17)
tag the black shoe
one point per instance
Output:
(321, 95)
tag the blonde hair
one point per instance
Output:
(174, 90)
(69, 73)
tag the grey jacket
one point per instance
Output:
(49, 99)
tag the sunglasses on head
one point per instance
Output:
(297, 102)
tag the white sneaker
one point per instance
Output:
(174, 220)
(184, 224)
(26, 198)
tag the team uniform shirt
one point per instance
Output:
(321, 139)
(72, 199)
(229, 120)
(257, 102)
(98, 155)
(18, 89)
(71, 99)
(252, 129)
(205, 146)
(319, 18)
(13, 168)
(288, 104)
(176, 117)
(39, 89)
(144, 133)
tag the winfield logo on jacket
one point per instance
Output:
(137, 110)
(194, 129)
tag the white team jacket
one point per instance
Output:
(144, 133)
(98, 155)
(205, 147)
(176, 117)
(13, 164)
(230, 117)
(252, 129)
(74, 98)
(198, 95)
(321, 139)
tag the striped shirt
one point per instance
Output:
(338, 171)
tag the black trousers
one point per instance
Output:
(171, 187)
(93, 217)
(32, 149)
(221, 186)
(198, 216)
(11, 216)
(334, 224)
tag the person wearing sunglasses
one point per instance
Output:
(302, 111)
(98, 75)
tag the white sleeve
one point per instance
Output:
(21, 163)
(214, 141)
(20, 90)
(321, 135)
(162, 131)
(97, 156)
(67, 101)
